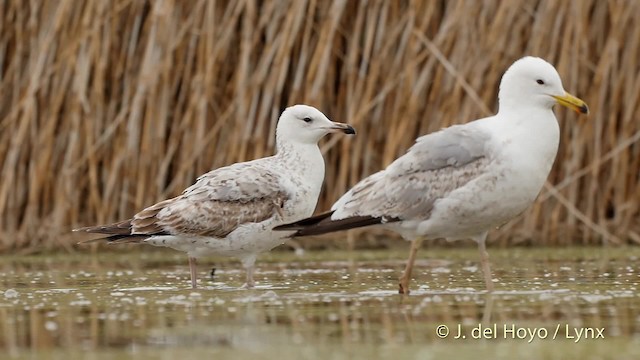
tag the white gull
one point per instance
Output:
(463, 180)
(231, 211)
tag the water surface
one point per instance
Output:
(575, 302)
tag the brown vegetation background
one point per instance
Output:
(109, 106)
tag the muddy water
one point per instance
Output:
(571, 303)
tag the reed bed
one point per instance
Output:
(109, 106)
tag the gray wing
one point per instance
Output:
(434, 166)
(217, 203)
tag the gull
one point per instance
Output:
(231, 211)
(462, 181)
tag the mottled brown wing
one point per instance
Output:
(217, 203)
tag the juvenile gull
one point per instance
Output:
(231, 211)
(463, 180)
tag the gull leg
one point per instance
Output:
(250, 282)
(194, 275)
(248, 264)
(488, 308)
(484, 261)
(406, 275)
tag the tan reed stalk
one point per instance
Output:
(106, 107)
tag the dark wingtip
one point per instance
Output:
(304, 223)
(286, 227)
(326, 225)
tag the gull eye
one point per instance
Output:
(540, 81)
(307, 119)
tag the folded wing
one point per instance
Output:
(408, 188)
(216, 205)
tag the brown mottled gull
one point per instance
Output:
(231, 211)
(464, 180)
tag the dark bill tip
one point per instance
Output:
(349, 130)
(584, 109)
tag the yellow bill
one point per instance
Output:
(572, 102)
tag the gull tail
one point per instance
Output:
(118, 233)
(323, 224)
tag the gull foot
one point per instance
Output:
(403, 287)
(248, 286)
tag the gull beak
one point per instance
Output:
(340, 127)
(572, 102)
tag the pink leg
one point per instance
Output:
(248, 264)
(486, 267)
(403, 285)
(250, 282)
(194, 275)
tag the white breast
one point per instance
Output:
(307, 168)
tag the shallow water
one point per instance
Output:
(578, 303)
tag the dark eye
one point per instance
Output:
(539, 81)
(307, 119)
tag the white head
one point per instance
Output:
(532, 81)
(306, 124)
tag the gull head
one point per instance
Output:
(306, 124)
(533, 81)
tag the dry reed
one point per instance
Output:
(108, 106)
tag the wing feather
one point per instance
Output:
(408, 188)
(218, 203)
